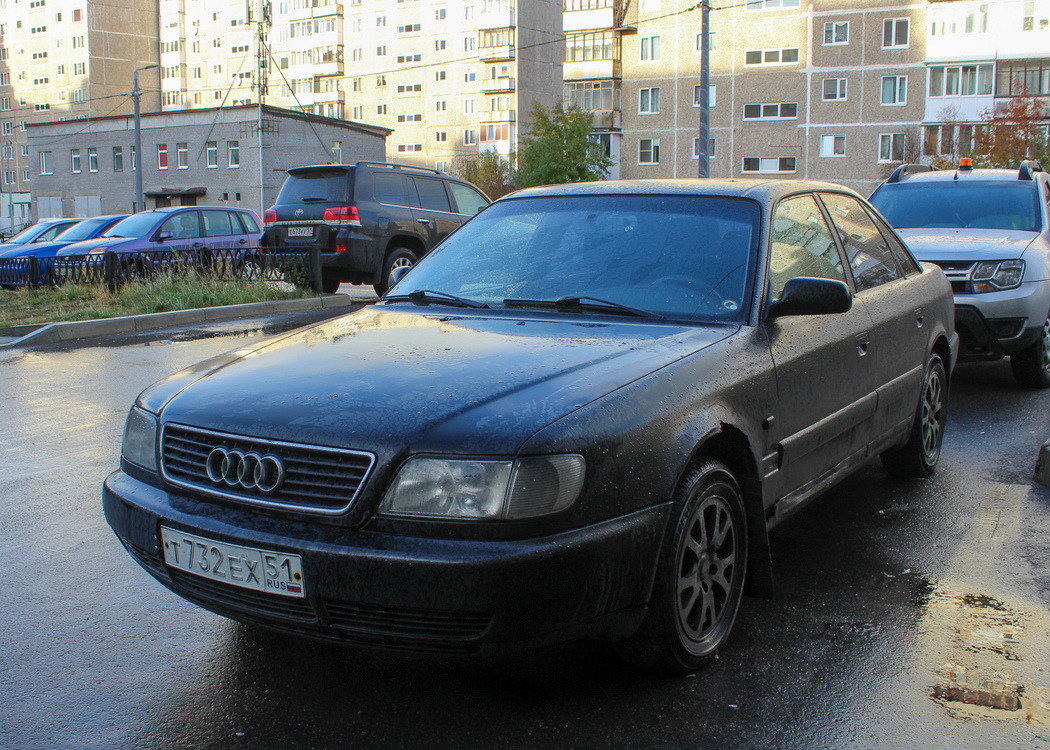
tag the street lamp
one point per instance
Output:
(136, 160)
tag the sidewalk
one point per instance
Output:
(58, 333)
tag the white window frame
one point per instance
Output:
(780, 57)
(710, 148)
(649, 101)
(891, 137)
(841, 90)
(710, 95)
(760, 5)
(833, 26)
(46, 167)
(653, 150)
(649, 48)
(762, 111)
(894, 44)
(900, 91)
(833, 146)
(764, 166)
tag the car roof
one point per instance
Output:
(764, 191)
(951, 175)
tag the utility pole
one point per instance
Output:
(704, 167)
(136, 158)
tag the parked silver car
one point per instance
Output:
(989, 229)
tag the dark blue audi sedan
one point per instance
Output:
(580, 415)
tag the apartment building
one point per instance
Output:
(448, 78)
(68, 60)
(231, 156)
(979, 55)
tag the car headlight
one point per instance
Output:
(140, 439)
(995, 275)
(468, 489)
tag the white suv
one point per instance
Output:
(989, 229)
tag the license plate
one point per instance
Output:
(300, 231)
(246, 567)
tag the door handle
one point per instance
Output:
(242, 242)
(423, 221)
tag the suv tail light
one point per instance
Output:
(270, 216)
(343, 215)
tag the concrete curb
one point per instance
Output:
(1042, 464)
(58, 333)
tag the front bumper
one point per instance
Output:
(409, 593)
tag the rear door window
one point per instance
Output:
(251, 226)
(904, 260)
(801, 245)
(322, 186)
(468, 200)
(217, 224)
(391, 189)
(868, 254)
(432, 195)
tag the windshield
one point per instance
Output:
(85, 230)
(973, 204)
(27, 235)
(322, 186)
(684, 257)
(136, 225)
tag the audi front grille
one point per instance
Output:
(315, 478)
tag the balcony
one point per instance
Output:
(496, 18)
(606, 119)
(500, 115)
(497, 85)
(592, 69)
(583, 20)
(496, 54)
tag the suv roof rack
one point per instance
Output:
(390, 165)
(906, 169)
(1027, 168)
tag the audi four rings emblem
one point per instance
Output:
(298, 212)
(249, 471)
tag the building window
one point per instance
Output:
(832, 145)
(648, 101)
(774, 111)
(92, 160)
(771, 4)
(965, 80)
(650, 48)
(441, 136)
(439, 45)
(75, 158)
(592, 96)
(710, 96)
(118, 159)
(381, 50)
(836, 32)
(211, 150)
(380, 109)
(45, 163)
(834, 90)
(1022, 78)
(470, 137)
(440, 75)
(894, 89)
(891, 147)
(470, 44)
(357, 112)
(785, 56)
(468, 106)
(768, 165)
(441, 106)
(711, 42)
(710, 148)
(162, 156)
(649, 151)
(182, 155)
(895, 32)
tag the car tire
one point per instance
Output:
(1031, 366)
(398, 257)
(252, 269)
(700, 574)
(918, 457)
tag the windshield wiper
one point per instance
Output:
(429, 296)
(313, 200)
(582, 303)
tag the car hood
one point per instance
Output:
(396, 380)
(37, 248)
(966, 244)
(99, 244)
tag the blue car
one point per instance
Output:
(44, 230)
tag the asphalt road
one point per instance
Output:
(900, 607)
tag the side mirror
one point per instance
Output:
(399, 273)
(806, 296)
(164, 236)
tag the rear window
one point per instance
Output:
(972, 204)
(322, 186)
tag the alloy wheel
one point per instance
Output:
(706, 563)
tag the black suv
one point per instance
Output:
(369, 218)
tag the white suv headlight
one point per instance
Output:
(468, 489)
(995, 276)
(140, 439)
